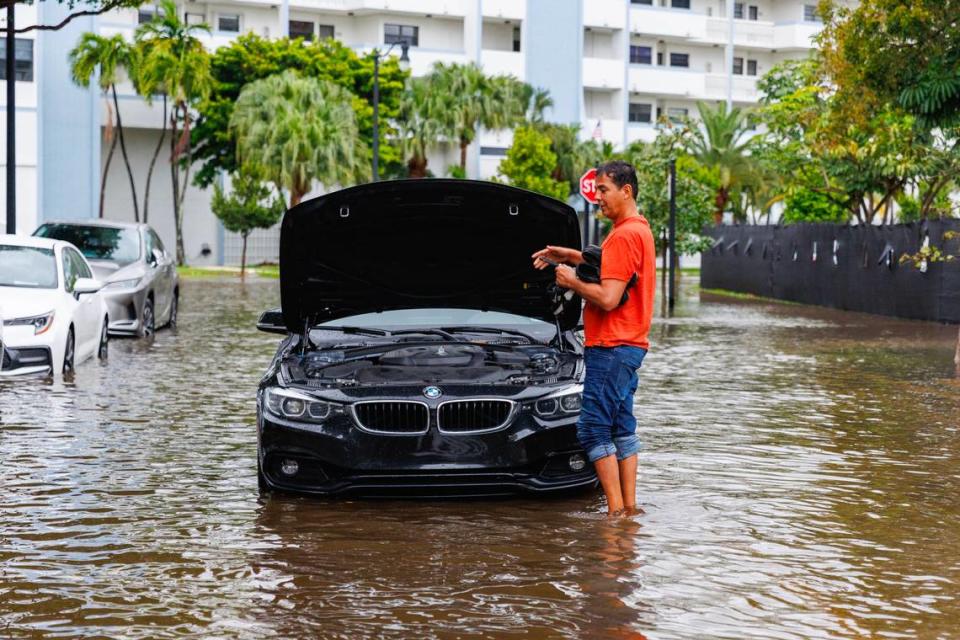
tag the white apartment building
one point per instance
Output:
(612, 66)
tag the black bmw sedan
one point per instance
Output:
(423, 353)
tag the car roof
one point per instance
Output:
(113, 224)
(31, 241)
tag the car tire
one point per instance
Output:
(174, 308)
(148, 320)
(104, 341)
(69, 353)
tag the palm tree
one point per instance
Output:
(148, 86)
(537, 101)
(176, 61)
(418, 127)
(299, 130)
(720, 144)
(108, 56)
(468, 100)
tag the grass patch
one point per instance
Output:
(270, 271)
(739, 295)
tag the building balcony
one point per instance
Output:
(795, 36)
(642, 131)
(421, 60)
(671, 23)
(508, 63)
(611, 130)
(746, 33)
(744, 87)
(604, 14)
(360, 7)
(666, 81)
(603, 74)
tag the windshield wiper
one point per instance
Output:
(432, 332)
(472, 329)
(366, 331)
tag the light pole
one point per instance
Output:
(11, 45)
(404, 62)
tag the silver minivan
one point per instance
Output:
(142, 286)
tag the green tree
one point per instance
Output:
(468, 100)
(177, 61)
(529, 164)
(250, 57)
(108, 57)
(806, 205)
(250, 205)
(300, 130)
(722, 142)
(418, 125)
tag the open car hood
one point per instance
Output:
(422, 243)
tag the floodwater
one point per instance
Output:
(800, 477)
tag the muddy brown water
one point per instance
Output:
(800, 476)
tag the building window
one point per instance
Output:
(23, 60)
(680, 4)
(679, 59)
(641, 55)
(228, 22)
(640, 112)
(324, 31)
(399, 33)
(301, 29)
(146, 13)
(738, 66)
(647, 2)
(754, 12)
(738, 10)
(676, 114)
(516, 39)
(751, 67)
(810, 13)
(194, 18)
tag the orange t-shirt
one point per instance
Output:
(627, 250)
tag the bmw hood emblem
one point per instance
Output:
(432, 392)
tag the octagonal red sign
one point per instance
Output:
(588, 186)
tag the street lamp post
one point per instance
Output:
(11, 45)
(404, 61)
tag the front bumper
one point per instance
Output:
(336, 459)
(17, 361)
(125, 309)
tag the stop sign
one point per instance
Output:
(588, 186)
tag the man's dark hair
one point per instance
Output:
(620, 173)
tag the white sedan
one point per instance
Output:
(53, 314)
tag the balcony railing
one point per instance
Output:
(602, 73)
(666, 80)
(503, 63)
(604, 14)
(678, 23)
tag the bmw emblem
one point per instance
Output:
(432, 392)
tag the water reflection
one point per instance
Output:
(799, 481)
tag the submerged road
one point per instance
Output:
(800, 477)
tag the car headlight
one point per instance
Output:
(296, 406)
(123, 284)
(40, 323)
(558, 405)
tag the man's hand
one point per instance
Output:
(566, 277)
(562, 255)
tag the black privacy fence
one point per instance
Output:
(848, 267)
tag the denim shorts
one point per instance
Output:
(607, 426)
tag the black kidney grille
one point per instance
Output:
(393, 417)
(458, 416)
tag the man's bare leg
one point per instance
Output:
(628, 482)
(609, 474)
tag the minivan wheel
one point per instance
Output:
(148, 323)
(102, 349)
(68, 353)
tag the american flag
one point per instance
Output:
(598, 131)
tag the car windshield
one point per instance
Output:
(95, 242)
(30, 267)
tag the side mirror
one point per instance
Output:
(271, 321)
(154, 258)
(86, 285)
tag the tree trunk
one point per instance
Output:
(463, 156)
(186, 179)
(126, 159)
(417, 167)
(175, 183)
(153, 161)
(956, 356)
(722, 197)
(106, 170)
(295, 197)
(243, 256)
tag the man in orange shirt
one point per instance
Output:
(615, 335)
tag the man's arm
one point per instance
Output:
(605, 295)
(562, 255)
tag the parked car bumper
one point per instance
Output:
(18, 361)
(335, 459)
(125, 309)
